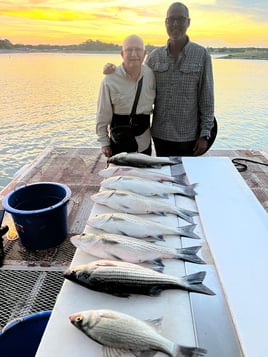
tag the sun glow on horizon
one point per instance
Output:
(66, 22)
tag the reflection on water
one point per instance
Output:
(241, 93)
(50, 99)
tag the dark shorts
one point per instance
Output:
(172, 148)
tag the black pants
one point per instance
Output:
(148, 151)
(172, 148)
(115, 150)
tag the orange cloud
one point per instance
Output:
(68, 21)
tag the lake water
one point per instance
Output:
(50, 99)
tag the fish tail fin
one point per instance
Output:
(188, 231)
(189, 212)
(158, 268)
(186, 214)
(189, 255)
(183, 351)
(157, 262)
(180, 179)
(193, 282)
(160, 237)
(161, 213)
(175, 160)
(190, 190)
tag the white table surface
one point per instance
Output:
(74, 298)
(236, 228)
(233, 224)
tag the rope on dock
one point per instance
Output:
(243, 167)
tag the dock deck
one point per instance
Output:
(31, 281)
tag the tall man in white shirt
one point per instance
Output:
(117, 94)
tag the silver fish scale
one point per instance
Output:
(140, 172)
(129, 222)
(141, 276)
(146, 187)
(130, 202)
(121, 333)
(132, 219)
(138, 245)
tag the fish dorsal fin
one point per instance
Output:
(147, 354)
(114, 352)
(155, 323)
(105, 263)
(158, 262)
(116, 257)
(116, 178)
(109, 241)
(158, 268)
(121, 193)
(155, 290)
(117, 218)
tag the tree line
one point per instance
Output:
(99, 46)
(88, 45)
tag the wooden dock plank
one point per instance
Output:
(75, 167)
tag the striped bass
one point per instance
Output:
(147, 187)
(123, 332)
(141, 172)
(137, 226)
(133, 203)
(132, 250)
(123, 279)
(141, 160)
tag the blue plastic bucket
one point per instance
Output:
(22, 336)
(39, 211)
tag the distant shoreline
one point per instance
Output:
(10, 51)
(98, 47)
(250, 54)
(248, 57)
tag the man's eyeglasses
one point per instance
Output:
(180, 19)
(138, 51)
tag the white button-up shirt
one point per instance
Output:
(117, 94)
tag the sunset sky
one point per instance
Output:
(215, 23)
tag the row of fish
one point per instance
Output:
(137, 191)
(123, 240)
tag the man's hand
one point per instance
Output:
(200, 146)
(107, 151)
(109, 68)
